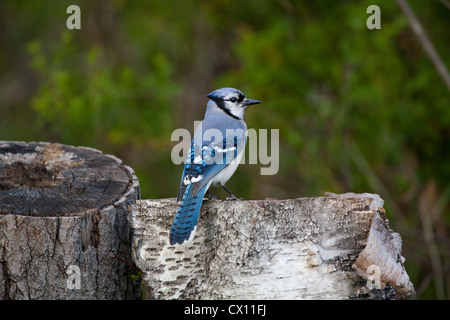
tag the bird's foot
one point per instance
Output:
(232, 196)
(233, 199)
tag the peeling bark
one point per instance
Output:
(270, 249)
(384, 248)
(64, 220)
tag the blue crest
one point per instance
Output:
(222, 93)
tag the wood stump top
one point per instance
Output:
(47, 179)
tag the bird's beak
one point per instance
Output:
(248, 102)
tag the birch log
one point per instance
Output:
(64, 228)
(333, 247)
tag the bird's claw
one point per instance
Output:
(233, 199)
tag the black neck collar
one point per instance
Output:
(221, 105)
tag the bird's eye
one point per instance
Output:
(233, 99)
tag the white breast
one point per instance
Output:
(223, 176)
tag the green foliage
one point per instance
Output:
(90, 101)
(358, 110)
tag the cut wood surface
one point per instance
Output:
(333, 247)
(64, 223)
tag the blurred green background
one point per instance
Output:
(358, 110)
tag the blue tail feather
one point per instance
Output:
(187, 216)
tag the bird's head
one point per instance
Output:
(231, 101)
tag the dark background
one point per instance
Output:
(358, 110)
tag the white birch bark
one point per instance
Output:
(303, 248)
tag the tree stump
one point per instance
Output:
(64, 223)
(334, 247)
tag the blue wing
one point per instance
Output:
(202, 165)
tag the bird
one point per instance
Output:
(214, 155)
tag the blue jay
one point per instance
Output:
(213, 157)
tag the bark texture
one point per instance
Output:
(303, 248)
(64, 223)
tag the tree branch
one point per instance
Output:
(425, 41)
